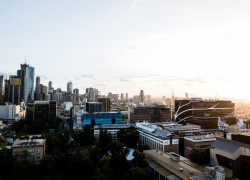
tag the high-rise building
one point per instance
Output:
(15, 90)
(50, 86)
(115, 97)
(147, 99)
(122, 96)
(76, 91)
(2, 85)
(38, 80)
(141, 97)
(2, 89)
(136, 99)
(92, 107)
(69, 87)
(41, 92)
(92, 94)
(45, 110)
(155, 113)
(99, 93)
(205, 113)
(126, 95)
(92, 119)
(105, 103)
(27, 87)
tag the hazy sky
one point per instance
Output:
(195, 46)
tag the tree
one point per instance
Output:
(199, 156)
(118, 161)
(5, 162)
(104, 140)
(137, 173)
(139, 159)
(129, 137)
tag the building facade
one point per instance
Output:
(27, 86)
(106, 103)
(233, 155)
(50, 86)
(91, 119)
(92, 94)
(31, 150)
(10, 112)
(92, 107)
(69, 87)
(14, 90)
(154, 113)
(187, 130)
(41, 110)
(111, 129)
(157, 138)
(205, 113)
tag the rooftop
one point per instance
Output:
(201, 138)
(165, 161)
(113, 126)
(41, 102)
(94, 102)
(152, 107)
(228, 145)
(152, 130)
(29, 142)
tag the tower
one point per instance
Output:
(50, 85)
(69, 87)
(38, 80)
(141, 97)
(27, 82)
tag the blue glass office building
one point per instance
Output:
(27, 74)
(101, 118)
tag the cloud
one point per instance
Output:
(100, 85)
(124, 14)
(125, 80)
(134, 3)
(90, 76)
(43, 77)
(196, 80)
(148, 42)
(77, 78)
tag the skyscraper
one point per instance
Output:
(141, 97)
(106, 103)
(50, 86)
(126, 95)
(2, 85)
(2, 89)
(37, 80)
(76, 91)
(122, 96)
(15, 90)
(69, 87)
(41, 92)
(27, 79)
(92, 94)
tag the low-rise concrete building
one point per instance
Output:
(31, 150)
(171, 166)
(110, 128)
(10, 111)
(233, 155)
(156, 138)
(203, 142)
(187, 130)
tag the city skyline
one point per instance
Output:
(126, 46)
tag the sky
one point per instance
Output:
(196, 46)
